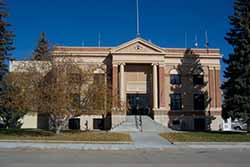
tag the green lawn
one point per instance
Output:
(206, 137)
(64, 136)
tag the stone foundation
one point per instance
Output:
(117, 120)
(89, 119)
(217, 122)
(29, 121)
(161, 116)
(162, 119)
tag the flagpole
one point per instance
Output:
(137, 19)
(206, 42)
(99, 39)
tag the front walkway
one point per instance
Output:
(149, 140)
(149, 137)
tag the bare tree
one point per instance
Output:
(16, 98)
(60, 92)
(62, 89)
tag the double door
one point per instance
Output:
(138, 104)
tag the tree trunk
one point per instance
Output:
(62, 125)
(58, 130)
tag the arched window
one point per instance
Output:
(99, 76)
(175, 77)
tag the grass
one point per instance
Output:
(206, 137)
(28, 134)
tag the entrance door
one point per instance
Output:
(138, 104)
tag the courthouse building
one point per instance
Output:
(177, 87)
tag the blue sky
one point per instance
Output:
(164, 22)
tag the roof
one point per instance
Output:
(83, 49)
(193, 50)
(107, 50)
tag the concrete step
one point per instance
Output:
(148, 125)
(128, 126)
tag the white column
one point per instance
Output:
(155, 87)
(122, 87)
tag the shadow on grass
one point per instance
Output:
(218, 132)
(41, 132)
(25, 132)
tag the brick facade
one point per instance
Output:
(138, 56)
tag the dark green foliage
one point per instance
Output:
(11, 118)
(41, 53)
(236, 87)
(6, 40)
(8, 117)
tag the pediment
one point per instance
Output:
(137, 46)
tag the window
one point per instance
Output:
(199, 124)
(198, 79)
(99, 78)
(175, 79)
(99, 92)
(199, 103)
(175, 103)
(176, 122)
(74, 123)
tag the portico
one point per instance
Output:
(136, 69)
(156, 92)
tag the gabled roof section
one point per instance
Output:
(138, 46)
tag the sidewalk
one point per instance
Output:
(150, 140)
(67, 146)
(146, 141)
(213, 145)
(141, 142)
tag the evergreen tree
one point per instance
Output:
(6, 46)
(236, 87)
(41, 53)
(6, 40)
